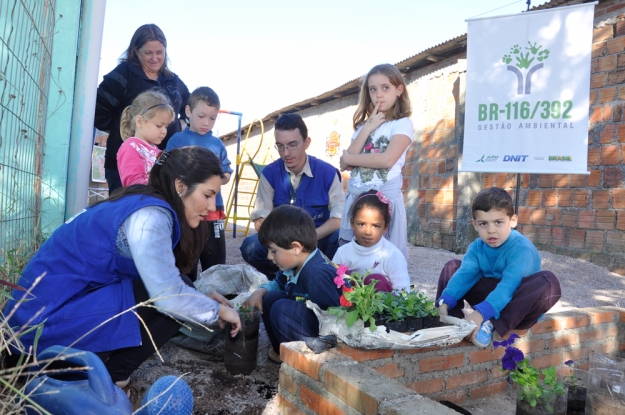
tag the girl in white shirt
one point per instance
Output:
(369, 250)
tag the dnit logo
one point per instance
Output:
(523, 61)
(515, 158)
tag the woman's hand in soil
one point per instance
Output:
(220, 299)
(256, 300)
(230, 315)
(443, 309)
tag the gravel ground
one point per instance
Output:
(217, 392)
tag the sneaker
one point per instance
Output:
(215, 346)
(273, 356)
(484, 335)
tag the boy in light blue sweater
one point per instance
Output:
(202, 113)
(500, 276)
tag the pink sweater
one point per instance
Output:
(135, 159)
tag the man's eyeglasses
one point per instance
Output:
(291, 146)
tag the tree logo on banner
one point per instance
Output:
(524, 61)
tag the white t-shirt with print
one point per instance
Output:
(377, 142)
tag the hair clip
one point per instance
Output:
(162, 157)
(380, 197)
(384, 200)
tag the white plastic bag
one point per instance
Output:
(362, 337)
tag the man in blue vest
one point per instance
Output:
(300, 180)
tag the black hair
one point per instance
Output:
(287, 224)
(191, 165)
(493, 198)
(292, 121)
(372, 201)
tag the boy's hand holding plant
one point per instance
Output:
(255, 300)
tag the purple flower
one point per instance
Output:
(506, 343)
(511, 357)
(512, 338)
(569, 363)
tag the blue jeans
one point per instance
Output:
(287, 320)
(256, 255)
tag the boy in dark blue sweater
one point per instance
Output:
(290, 236)
(202, 113)
(500, 276)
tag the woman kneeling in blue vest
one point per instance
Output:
(131, 250)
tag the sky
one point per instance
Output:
(263, 55)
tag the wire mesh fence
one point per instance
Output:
(26, 31)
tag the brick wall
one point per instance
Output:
(584, 215)
(356, 381)
(432, 163)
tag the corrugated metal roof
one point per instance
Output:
(555, 3)
(422, 59)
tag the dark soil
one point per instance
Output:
(215, 390)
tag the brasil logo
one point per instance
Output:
(523, 61)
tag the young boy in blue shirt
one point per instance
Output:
(290, 236)
(500, 276)
(202, 113)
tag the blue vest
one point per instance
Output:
(312, 195)
(87, 281)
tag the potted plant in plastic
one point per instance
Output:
(432, 318)
(240, 351)
(535, 397)
(412, 310)
(576, 400)
(358, 301)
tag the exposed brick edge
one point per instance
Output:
(335, 383)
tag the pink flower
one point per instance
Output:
(377, 150)
(368, 147)
(342, 270)
(339, 281)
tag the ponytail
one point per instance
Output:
(126, 125)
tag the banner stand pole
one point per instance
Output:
(516, 194)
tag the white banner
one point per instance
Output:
(528, 82)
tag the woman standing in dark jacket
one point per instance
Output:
(142, 67)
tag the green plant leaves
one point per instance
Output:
(351, 318)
